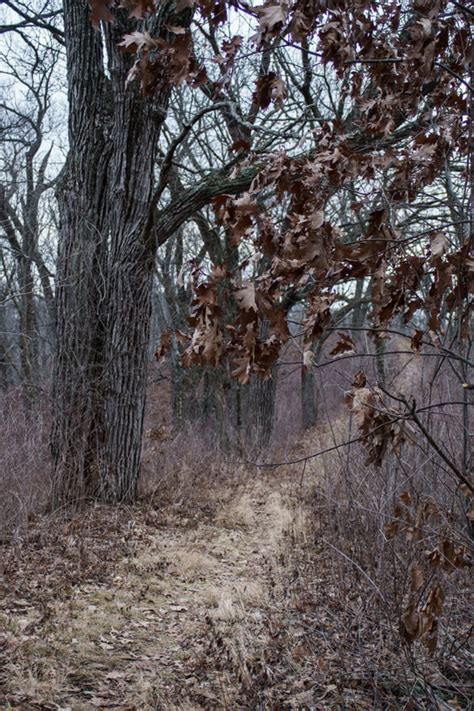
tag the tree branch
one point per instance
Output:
(182, 208)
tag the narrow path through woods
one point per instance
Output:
(180, 618)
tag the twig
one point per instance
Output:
(272, 465)
(429, 438)
(356, 565)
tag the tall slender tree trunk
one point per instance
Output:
(309, 408)
(259, 407)
(380, 359)
(105, 265)
(359, 309)
(28, 336)
(5, 363)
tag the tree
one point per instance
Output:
(391, 162)
(110, 231)
(111, 225)
(105, 266)
(28, 68)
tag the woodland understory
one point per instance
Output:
(236, 355)
(228, 586)
(239, 604)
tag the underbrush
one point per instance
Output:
(377, 566)
(24, 463)
(182, 471)
(370, 608)
(188, 471)
(378, 584)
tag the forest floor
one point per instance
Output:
(143, 609)
(204, 607)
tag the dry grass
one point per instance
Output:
(238, 513)
(191, 565)
(139, 614)
(233, 588)
(352, 583)
(232, 602)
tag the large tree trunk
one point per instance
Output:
(105, 263)
(81, 276)
(260, 412)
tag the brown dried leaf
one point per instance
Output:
(166, 341)
(390, 529)
(438, 244)
(405, 498)
(246, 297)
(270, 88)
(417, 578)
(410, 622)
(100, 11)
(416, 340)
(359, 379)
(270, 16)
(345, 344)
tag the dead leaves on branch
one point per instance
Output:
(422, 623)
(403, 64)
(254, 338)
(401, 76)
(102, 10)
(381, 427)
(270, 88)
(435, 555)
(174, 57)
(306, 256)
(345, 344)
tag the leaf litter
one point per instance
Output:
(137, 608)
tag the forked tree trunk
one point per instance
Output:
(105, 264)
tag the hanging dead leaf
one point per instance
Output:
(410, 622)
(417, 578)
(166, 341)
(345, 344)
(438, 244)
(100, 11)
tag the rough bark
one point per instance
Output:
(108, 238)
(105, 266)
(260, 413)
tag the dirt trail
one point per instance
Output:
(174, 626)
